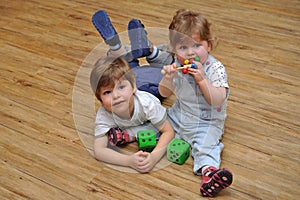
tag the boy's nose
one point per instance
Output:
(115, 94)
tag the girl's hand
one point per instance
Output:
(166, 86)
(169, 71)
(198, 73)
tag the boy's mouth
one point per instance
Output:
(117, 103)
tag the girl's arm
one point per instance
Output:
(166, 85)
(215, 96)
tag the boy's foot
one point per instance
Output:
(103, 25)
(217, 180)
(140, 45)
(118, 137)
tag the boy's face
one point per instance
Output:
(189, 48)
(118, 98)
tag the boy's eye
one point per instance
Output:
(106, 92)
(182, 47)
(121, 87)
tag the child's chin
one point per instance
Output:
(121, 112)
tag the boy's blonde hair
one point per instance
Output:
(108, 70)
(185, 23)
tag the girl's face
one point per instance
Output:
(189, 48)
(118, 98)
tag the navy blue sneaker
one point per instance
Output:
(103, 25)
(140, 46)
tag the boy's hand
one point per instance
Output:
(142, 162)
(147, 163)
(136, 159)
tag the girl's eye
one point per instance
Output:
(182, 47)
(197, 45)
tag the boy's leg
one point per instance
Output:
(107, 31)
(163, 58)
(103, 25)
(140, 45)
(152, 89)
(147, 79)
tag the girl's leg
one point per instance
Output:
(215, 180)
(206, 147)
(206, 150)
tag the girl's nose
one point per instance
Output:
(190, 51)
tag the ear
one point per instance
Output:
(98, 96)
(134, 87)
(209, 46)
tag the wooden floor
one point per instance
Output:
(47, 109)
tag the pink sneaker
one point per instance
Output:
(217, 180)
(119, 137)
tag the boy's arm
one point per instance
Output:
(167, 134)
(105, 154)
(151, 159)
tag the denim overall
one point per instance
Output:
(196, 121)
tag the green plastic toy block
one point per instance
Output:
(146, 140)
(178, 151)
